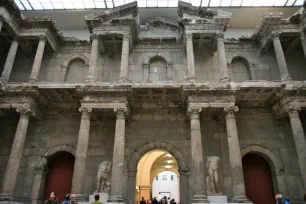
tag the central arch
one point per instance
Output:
(165, 146)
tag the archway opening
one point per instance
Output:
(240, 70)
(76, 71)
(59, 178)
(258, 179)
(157, 176)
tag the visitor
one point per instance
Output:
(280, 200)
(148, 201)
(67, 199)
(155, 201)
(73, 199)
(97, 198)
(163, 201)
(52, 199)
(169, 200)
(143, 201)
(172, 201)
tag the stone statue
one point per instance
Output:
(212, 180)
(103, 184)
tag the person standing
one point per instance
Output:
(280, 200)
(97, 198)
(155, 201)
(73, 199)
(52, 199)
(143, 201)
(67, 199)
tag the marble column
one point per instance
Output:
(1, 22)
(81, 152)
(38, 59)
(235, 158)
(10, 61)
(299, 139)
(12, 169)
(303, 41)
(118, 159)
(124, 67)
(91, 77)
(222, 57)
(190, 58)
(197, 164)
(280, 57)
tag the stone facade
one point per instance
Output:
(171, 85)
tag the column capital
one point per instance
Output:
(94, 36)
(220, 36)
(86, 112)
(230, 111)
(120, 113)
(188, 35)
(126, 36)
(275, 35)
(25, 109)
(194, 113)
(294, 111)
(43, 38)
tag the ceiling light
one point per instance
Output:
(168, 166)
(169, 155)
(170, 161)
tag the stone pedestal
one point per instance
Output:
(103, 197)
(217, 199)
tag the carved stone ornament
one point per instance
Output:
(286, 77)
(212, 180)
(43, 38)
(103, 182)
(25, 109)
(220, 35)
(230, 112)
(120, 113)
(86, 112)
(126, 37)
(41, 163)
(275, 35)
(194, 113)
(294, 111)
(94, 36)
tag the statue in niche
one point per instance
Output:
(103, 183)
(212, 180)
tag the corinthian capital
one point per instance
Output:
(220, 35)
(294, 111)
(275, 35)
(120, 112)
(25, 109)
(126, 36)
(194, 113)
(43, 38)
(188, 35)
(86, 112)
(94, 36)
(230, 112)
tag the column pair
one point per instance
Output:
(12, 169)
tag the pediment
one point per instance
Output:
(162, 29)
(121, 15)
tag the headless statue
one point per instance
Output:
(103, 185)
(212, 180)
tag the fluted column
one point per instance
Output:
(10, 61)
(38, 59)
(222, 57)
(91, 77)
(190, 58)
(235, 156)
(81, 152)
(118, 158)
(197, 164)
(124, 67)
(303, 41)
(12, 169)
(280, 57)
(299, 139)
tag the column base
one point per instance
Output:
(3, 83)
(32, 81)
(199, 199)
(241, 199)
(225, 78)
(6, 197)
(286, 77)
(191, 79)
(90, 79)
(121, 80)
(116, 200)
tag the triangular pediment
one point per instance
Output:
(161, 28)
(121, 15)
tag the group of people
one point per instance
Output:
(69, 199)
(164, 200)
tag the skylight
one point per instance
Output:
(96, 4)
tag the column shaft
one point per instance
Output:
(93, 59)
(118, 158)
(1, 24)
(299, 139)
(222, 57)
(11, 173)
(38, 59)
(9, 61)
(235, 155)
(81, 152)
(280, 57)
(197, 164)
(303, 41)
(124, 67)
(190, 58)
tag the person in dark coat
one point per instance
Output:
(143, 201)
(67, 199)
(52, 199)
(154, 201)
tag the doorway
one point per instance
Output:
(258, 179)
(157, 176)
(59, 178)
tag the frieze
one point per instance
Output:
(204, 27)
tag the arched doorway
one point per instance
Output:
(258, 180)
(59, 178)
(157, 176)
